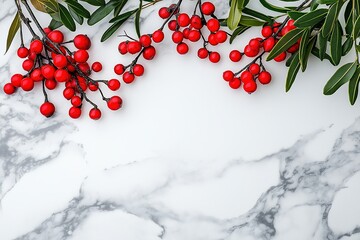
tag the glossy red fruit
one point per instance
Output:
(23, 52)
(76, 101)
(134, 47)
(114, 84)
(212, 39)
(145, 40)
(56, 36)
(250, 52)
(250, 86)
(68, 93)
(246, 76)
(149, 53)
(75, 112)
(164, 12)
(119, 69)
(213, 25)
(267, 31)
(221, 36)
(82, 42)
(268, 44)
(50, 84)
(293, 48)
(96, 67)
(194, 35)
(27, 84)
(281, 57)
(235, 83)
(123, 48)
(183, 20)
(95, 114)
(47, 109)
(47, 30)
(172, 25)
(138, 70)
(158, 36)
(61, 75)
(128, 77)
(114, 103)
(203, 53)
(254, 69)
(254, 44)
(93, 86)
(182, 48)
(85, 68)
(235, 55)
(285, 30)
(27, 65)
(48, 71)
(264, 77)
(177, 37)
(36, 46)
(36, 75)
(196, 22)
(60, 61)
(207, 8)
(9, 88)
(186, 33)
(81, 56)
(16, 80)
(290, 24)
(228, 75)
(214, 57)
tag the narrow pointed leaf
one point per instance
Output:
(14, 28)
(340, 77)
(354, 87)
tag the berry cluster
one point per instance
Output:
(257, 47)
(51, 62)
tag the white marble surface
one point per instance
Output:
(186, 158)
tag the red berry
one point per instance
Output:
(36, 46)
(293, 48)
(68, 93)
(203, 53)
(61, 75)
(254, 69)
(145, 40)
(76, 101)
(281, 57)
(60, 61)
(164, 12)
(138, 70)
(254, 44)
(47, 109)
(75, 112)
(228, 75)
(177, 37)
(172, 25)
(183, 20)
(47, 30)
(264, 77)
(81, 56)
(207, 8)
(50, 84)
(56, 36)
(214, 57)
(290, 24)
(250, 52)
(27, 84)
(134, 47)
(268, 44)
(194, 35)
(246, 76)
(32, 56)
(149, 53)
(221, 36)
(212, 39)
(113, 84)
(16, 80)
(9, 88)
(23, 52)
(95, 114)
(27, 65)
(96, 66)
(48, 71)
(285, 30)
(114, 103)
(93, 86)
(82, 42)
(235, 56)
(182, 48)
(128, 77)
(213, 25)
(235, 83)
(36, 75)
(266, 31)
(123, 48)
(186, 33)
(85, 68)
(82, 83)
(119, 69)
(158, 36)
(250, 86)
(196, 22)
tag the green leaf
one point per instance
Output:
(303, 45)
(14, 28)
(116, 25)
(356, 29)
(55, 24)
(307, 52)
(95, 2)
(331, 19)
(258, 15)
(66, 18)
(250, 21)
(311, 18)
(340, 77)
(239, 30)
(354, 86)
(347, 46)
(78, 8)
(235, 13)
(275, 8)
(285, 42)
(335, 44)
(137, 19)
(102, 12)
(295, 15)
(322, 46)
(79, 19)
(293, 71)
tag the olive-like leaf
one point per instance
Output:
(335, 44)
(354, 86)
(137, 19)
(66, 18)
(292, 72)
(14, 28)
(340, 77)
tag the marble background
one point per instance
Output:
(186, 158)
